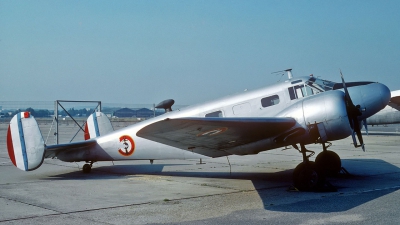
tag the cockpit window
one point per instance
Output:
(320, 85)
(310, 86)
(300, 91)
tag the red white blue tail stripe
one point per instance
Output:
(25, 142)
(97, 124)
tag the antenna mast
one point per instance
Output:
(289, 73)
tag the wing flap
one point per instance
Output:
(212, 136)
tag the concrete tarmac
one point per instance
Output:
(253, 189)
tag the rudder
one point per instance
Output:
(25, 143)
(97, 124)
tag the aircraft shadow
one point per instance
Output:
(275, 187)
(116, 171)
(327, 204)
(377, 133)
(111, 172)
(369, 179)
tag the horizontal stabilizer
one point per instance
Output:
(97, 124)
(55, 150)
(25, 142)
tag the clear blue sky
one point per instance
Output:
(191, 51)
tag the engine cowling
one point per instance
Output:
(324, 116)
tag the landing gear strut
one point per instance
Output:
(307, 176)
(87, 167)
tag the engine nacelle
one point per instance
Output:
(324, 116)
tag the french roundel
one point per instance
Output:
(128, 145)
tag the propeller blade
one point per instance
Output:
(346, 92)
(360, 138)
(353, 135)
(365, 125)
(353, 112)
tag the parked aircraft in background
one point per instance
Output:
(390, 114)
(297, 112)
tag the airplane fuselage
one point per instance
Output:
(320, 116)
(390, 114)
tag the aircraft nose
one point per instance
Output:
(374, 97)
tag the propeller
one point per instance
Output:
(365, 125)
(353, 111)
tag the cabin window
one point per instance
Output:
(214, 114)
(270, 101)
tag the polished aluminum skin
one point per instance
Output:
(301, 110)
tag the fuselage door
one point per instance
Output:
(242, 109)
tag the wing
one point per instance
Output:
(211, 136)
(53, 150)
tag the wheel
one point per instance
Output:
(86, 168)
(329, 162)
(307, 177)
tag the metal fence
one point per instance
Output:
(66, 129)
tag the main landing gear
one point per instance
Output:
(87, 167)
(307, 176)
(328, 161)
(310, 176)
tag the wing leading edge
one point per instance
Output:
(212, 136)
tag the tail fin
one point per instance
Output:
(25, 142)
(97, 124)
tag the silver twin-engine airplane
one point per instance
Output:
(390, 114)
(297, 112)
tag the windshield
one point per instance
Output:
(320, 85)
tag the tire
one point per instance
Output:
(329, 162)
(86, 168)
(307, 177)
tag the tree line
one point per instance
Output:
(47, 113)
